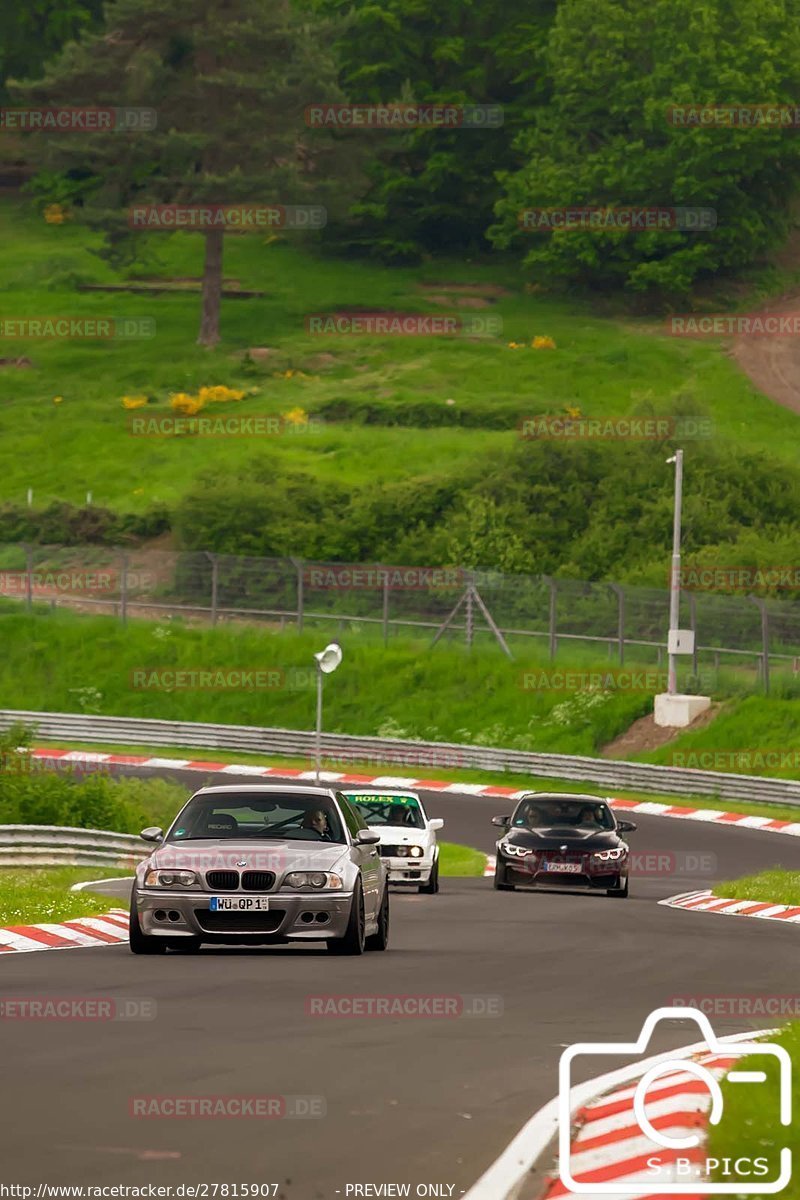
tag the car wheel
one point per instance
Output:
(500, 884)
(141, 943)
(432, 886)
(621, 893)
(353, 940)
(380, 940)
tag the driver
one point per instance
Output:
(317, 820)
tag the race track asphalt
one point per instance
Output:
(417, 1100)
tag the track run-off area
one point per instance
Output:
(420, 1100)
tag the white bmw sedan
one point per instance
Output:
(408, 843)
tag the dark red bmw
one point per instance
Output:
(564, 841)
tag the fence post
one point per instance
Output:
(468, 623)
(615, 587)
(297, 563)
(214, 560)
(123, 591)
(693, 627)
(551, 633)
(762, 608)
(28, 575)
(385, 608)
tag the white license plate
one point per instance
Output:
(239, 903)
(567, 868)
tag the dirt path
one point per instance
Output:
(644, 735)
(773, 363)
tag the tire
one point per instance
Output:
(499, 881)
(432, 886)
(621, 893)
(380, 940)
(353, 941)
(141, 943)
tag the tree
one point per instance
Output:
(434, 189)
(604, 138)
(229, 82)
(34, 30)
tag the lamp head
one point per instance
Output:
(329, 658)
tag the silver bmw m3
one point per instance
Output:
(262, 864)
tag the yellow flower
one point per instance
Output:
(184, 403)
(58, 399)
(572, 412)
(515, 345)
(55, 214)
(543, 343)
(219, 394)
(134, 401)
(288, 374)
(296, 416)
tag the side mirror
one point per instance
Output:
(625, 826)
(152, 834)
(436, 823)
(503, 821)
(367, 837)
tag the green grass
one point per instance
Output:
(605, 367)
(31, 896)
(775, 886)
(750, 1125)
(460, 860)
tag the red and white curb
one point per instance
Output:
(607, 1145)
(107, 930)
(710, 816)
(706, 901)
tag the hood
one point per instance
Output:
(226, 854)
(554, 836)
(399, 835)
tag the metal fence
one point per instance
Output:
(62, 846)
(621, 620)
(348, 749)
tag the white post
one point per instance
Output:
(30, 497)
(88, 499)
(675, 578)
(319, 720)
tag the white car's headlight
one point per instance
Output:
(316, 880)
(609, 855)
(416, 851)
(155, 878)
(514, 850)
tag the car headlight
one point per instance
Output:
(609, 855)
(416, 851)
(312, 879)
(155, 878)
(514, 850)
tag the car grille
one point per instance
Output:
(258, 881)
(229, 922)
(223, 881)
(398, 852)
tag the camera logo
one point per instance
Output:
(666, 1169)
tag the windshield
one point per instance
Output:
(580, 814)
(286, 817)
(389, 810)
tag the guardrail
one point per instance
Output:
(381, 752)
(63, 846)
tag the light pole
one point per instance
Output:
(675, 577)
(327, 661)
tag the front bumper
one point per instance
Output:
(292, 916)
(523, 872)
(408, 870)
